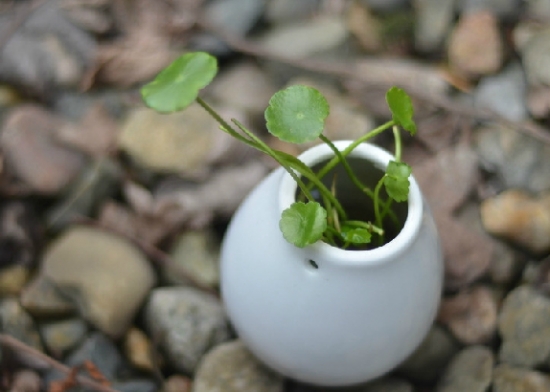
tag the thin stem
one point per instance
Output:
(366, 225)
(397, 137)
(269, 151)
(347, 167)
(377, 216)
(334, 161)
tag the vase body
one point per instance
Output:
(345, 318)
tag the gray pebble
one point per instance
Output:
(470, 370)
(230, 367)
(524, 325)
(186, 323)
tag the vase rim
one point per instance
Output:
(380, 158)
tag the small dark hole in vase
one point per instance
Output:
(313, 264)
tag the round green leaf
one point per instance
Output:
(401, 108)
(178, 85)
(297, 114)
(396, 180)
(303, 224)
(355, 235)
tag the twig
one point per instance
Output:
(18, 22)
(345, 71)
(17, 345)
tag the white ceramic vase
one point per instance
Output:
(323, 315)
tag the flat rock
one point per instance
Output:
(429, 360)
(520, 218)
(139, 350)
(519, 160)
(305, 38)
(32, 153)
(198, 253)
(105, 275)
(510, 379)
(230, 367)
(281, 11)
(475, 45)
(434, 20)
(524, 324)
(13, 279)
(186, 323)
(42, 298)
(184, 143)
(536, 58)
(15, 321)
(504, 9)
(61, 336)
(471, 315)
(504, 93)
(470, 370)
(254, 85)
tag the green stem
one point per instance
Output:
(347, 167)
(377, 215)
(334, 161)
(365, 225)
(397, 138)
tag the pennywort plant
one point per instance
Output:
(297, 114)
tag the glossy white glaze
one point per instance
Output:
(352, 319)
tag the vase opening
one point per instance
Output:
(357, 204)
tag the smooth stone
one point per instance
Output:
(236, 17)
(475, 45)
(510, 379)
(504, 93)
(471, 315)
(187, 323)
(13, 279)
(104, 354)
(74, 105)
(62, 336)
(244, 86)
(305, 38)
(81, 258)
(524, 324)
(426, 364)
(520, 218)
(42, 298)
(230, 367)
(198, 253)
(97, 182)
(470, 370)
(538, 101)
(15, 321)
(138, 349)
(282, 11)
(434, 20)
(535, 56)
(30, 150)
(506, 265)
(182, 143)
(519, 160)
(20, 233)
(538, 9)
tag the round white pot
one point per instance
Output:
(346, 316)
